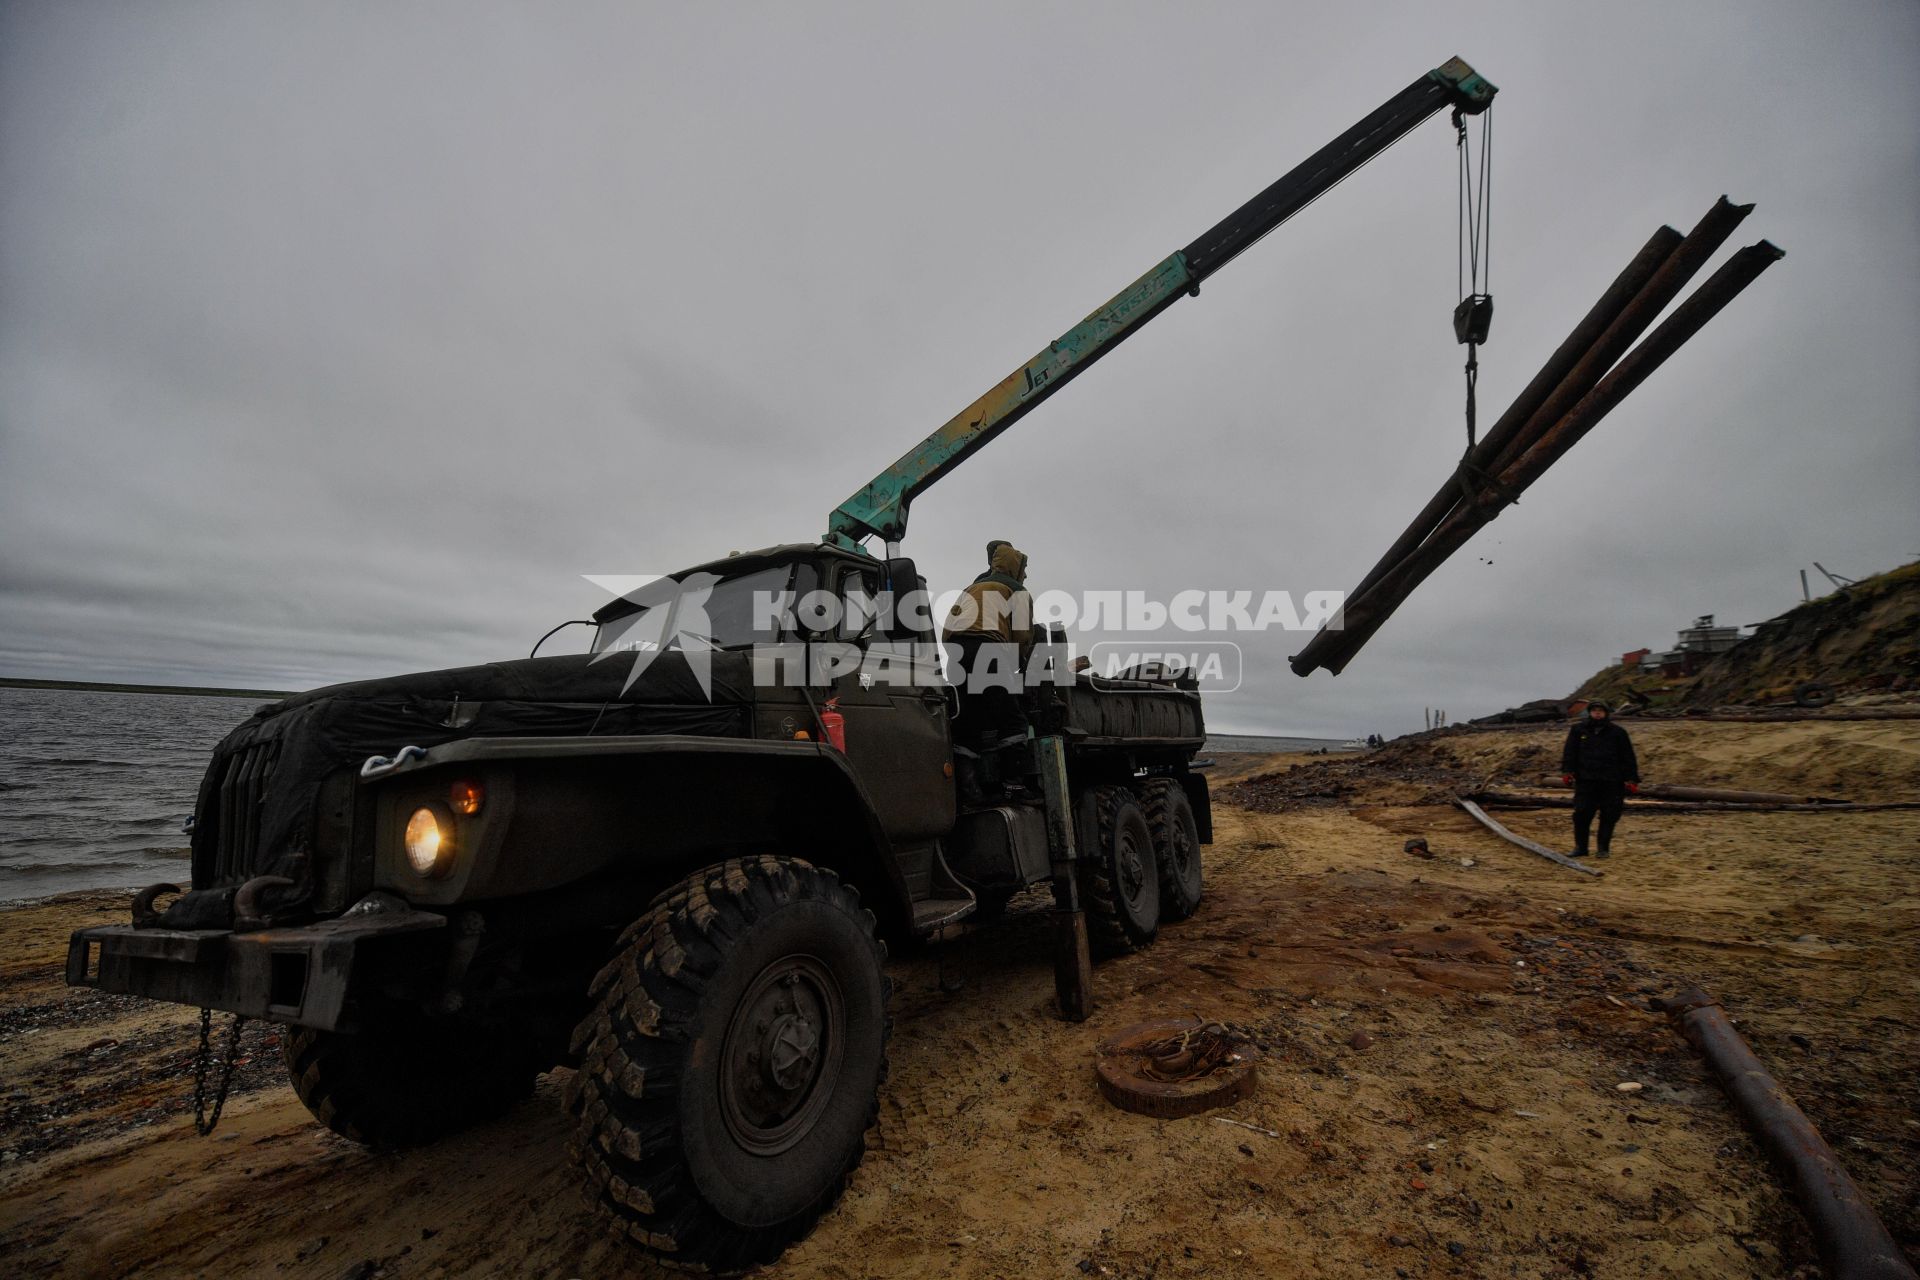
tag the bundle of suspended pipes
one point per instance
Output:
(1585, 379)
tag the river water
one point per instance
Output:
(94, 786)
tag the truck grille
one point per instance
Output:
(236, 823)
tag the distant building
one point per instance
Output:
(1704, 637)
(1696, 646)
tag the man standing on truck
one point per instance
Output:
(989, 634)
(1598, 761)
(990, 630)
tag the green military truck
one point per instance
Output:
(678, 883)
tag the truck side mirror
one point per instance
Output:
(898, 574)
(906, 606)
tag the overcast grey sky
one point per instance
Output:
(338, 340)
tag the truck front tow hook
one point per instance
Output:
(144, 916)
(247, 915)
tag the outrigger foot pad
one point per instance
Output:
(1072, 966)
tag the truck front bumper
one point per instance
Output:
(297, 975)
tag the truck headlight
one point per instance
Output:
(429, 844)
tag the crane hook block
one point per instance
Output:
(1473, 318)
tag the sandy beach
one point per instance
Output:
(1444, 1044)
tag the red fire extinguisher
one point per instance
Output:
(835, 725)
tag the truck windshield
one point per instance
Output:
(728, 614)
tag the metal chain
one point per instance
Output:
(203, 1123)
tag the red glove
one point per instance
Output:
(1566, 779)
(1633, 788)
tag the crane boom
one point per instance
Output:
(880, 507)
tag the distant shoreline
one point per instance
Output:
(1274, 743)
(96, 686)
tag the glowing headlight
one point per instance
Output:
(429, 846)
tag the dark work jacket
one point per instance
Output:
(1599, 751)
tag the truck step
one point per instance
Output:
(931, 913)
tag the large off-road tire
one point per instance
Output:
(1176, 843)
(1119, 874)
(406, 1079)
(732, 1062)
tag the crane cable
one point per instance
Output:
(1474, 258)
(1473, 270)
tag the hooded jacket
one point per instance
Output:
(997, 604)
(1599, 751)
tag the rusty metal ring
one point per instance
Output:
(1127, 1068)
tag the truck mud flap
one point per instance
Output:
(296, 975)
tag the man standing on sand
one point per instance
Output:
(1598, 761)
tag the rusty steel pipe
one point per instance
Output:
(1734, 275)
(1568, 354)
(1682, 266)
(1366, 615)
(1853, 1243)
(1334, 649)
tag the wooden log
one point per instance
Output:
(1679, 791)
(1519, 800)
(1649, 718)
(1480, 815)
(1767, 717)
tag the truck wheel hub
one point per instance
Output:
(782, 1054)
(793, 1046)
(1132, 874)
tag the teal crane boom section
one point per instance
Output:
(880, 507)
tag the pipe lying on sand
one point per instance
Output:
(1853, 1243)
(1551, 855)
